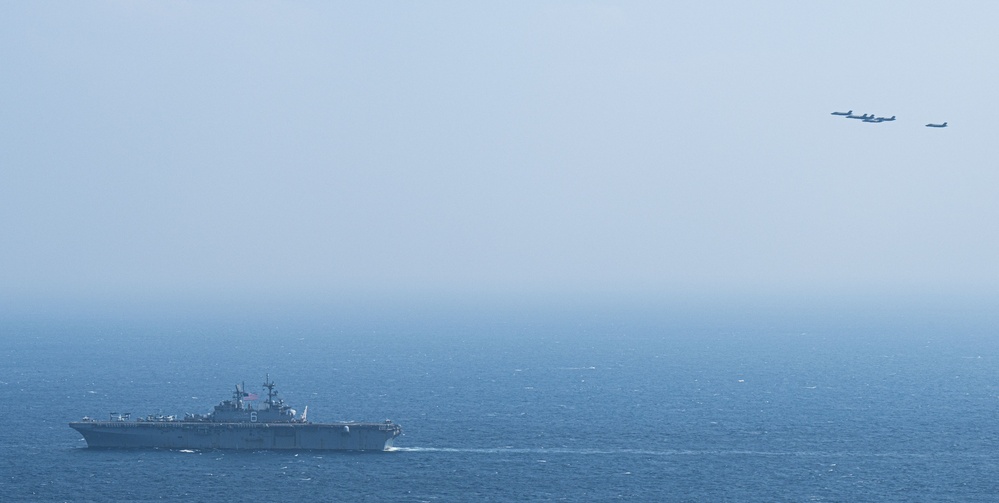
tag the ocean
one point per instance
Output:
(795, 405)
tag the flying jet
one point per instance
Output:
(843, 113)
(937, 125)
(887, 119)
(875, 120)
(865, 116)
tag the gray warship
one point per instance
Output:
(237, 424)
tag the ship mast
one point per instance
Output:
(237, 396)
(270, 390)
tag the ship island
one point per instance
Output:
(238, 424)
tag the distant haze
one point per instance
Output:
(264, 150)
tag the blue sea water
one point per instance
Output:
(511, 406)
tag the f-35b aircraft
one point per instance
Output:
(871, 118)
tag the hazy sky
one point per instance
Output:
(541, 148)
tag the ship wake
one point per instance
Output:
(649, 452)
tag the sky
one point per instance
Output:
(268, 150)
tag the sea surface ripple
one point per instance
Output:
(555, 411)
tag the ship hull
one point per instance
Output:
(246, 436)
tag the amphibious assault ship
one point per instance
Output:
(237, 424)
